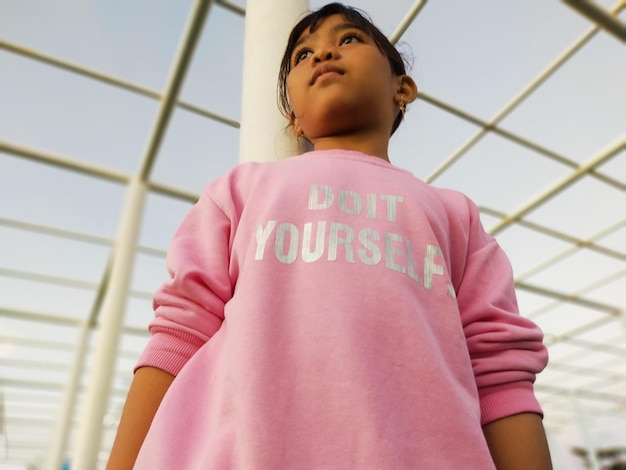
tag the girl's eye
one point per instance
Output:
(349, 39)
(300, 55)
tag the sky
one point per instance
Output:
(475, 57)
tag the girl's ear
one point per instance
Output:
(295, 126)
(407, 89)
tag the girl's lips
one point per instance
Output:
(324, 69)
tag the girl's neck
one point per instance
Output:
(366, 143)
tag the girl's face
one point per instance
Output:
(340, 82)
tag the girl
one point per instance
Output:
(331, 311)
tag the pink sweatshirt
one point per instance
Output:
(332, 311)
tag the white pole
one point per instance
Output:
(58, 445)
(263, 135)
(583, 425)
(113, 306)
(556, 453)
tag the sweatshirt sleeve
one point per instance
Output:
(506, 349)
(189, 308)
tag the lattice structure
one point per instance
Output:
(522, 106)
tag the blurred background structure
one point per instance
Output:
(114, 115)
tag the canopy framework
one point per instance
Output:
(570, 277)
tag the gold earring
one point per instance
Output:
(402, 106)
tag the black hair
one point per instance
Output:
(312, 22)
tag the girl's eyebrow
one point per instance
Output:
(334, 30)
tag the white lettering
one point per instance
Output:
(310, 242)
(262, 235)
(367, 236)
(411, 262)
(351, 203)
(279, 246)
(371, 206)
(430, 267)
(314, 197)
(344, 197)
(391, 251)
(334, 241)
(309, 256)
(451, 292)
(391, 206)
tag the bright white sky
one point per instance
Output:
(475, 56)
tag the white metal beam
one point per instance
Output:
(515, 102)
(583, 169)
(598, 15)
(407, 21)
(111, 80)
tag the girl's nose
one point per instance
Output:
(325, 53)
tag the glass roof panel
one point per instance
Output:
(490, 173)
(612, 292)
(220, 66)
(513, 43)
(52, 301)
(67, 114)
(578, 271)
(52, 197)
(582, 210)
(148, 274)
(616, 240)
(613, 331)
(426, 137)
(563, 319)
(527, 248)
(580, 109)
(615, 167)
(52, 255)
(195, 151)
(161, 218)
(139, 311)
(97, 36)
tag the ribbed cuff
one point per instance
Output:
(169, 350)
(500, 401)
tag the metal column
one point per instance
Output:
(263, 135)
(583, 426)
(60, 435)
(58, 446)
(98, 388)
